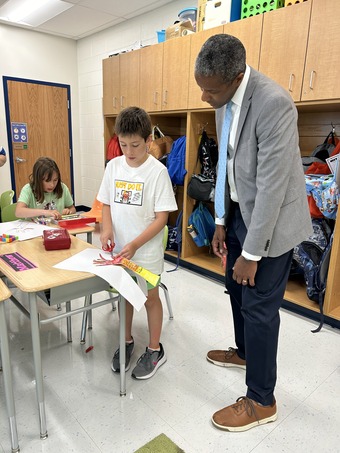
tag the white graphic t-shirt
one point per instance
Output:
(134, 195)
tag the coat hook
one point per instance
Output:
(201, 128)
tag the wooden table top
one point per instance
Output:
(83, 229)
(4, 291)
(44, 276)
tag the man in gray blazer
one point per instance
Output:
(261, 214)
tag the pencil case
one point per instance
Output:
(78, 222)
(57, 239)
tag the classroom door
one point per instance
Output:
(38, 124)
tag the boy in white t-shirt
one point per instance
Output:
(137, 196)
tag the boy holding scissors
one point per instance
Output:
(137, 196)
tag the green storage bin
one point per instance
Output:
(255, 7)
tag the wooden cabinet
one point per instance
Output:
(280, 43)
(151, 77)
(164, 75)
(120, 82)
(111, 86)
(284, 44)
(321, 79)
(129, 79)
(301, 48)
(176, 57)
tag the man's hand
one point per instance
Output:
(218, 241)
(244, 271)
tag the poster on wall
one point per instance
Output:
(19, 132)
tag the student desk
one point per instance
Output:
(6, 366)
(88, 229)
(63, 286)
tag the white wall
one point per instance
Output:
(32, 55)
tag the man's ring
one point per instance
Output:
(244, 281)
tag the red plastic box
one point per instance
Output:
(76, 223)
(56, 239)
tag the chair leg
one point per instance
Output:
(86, 314)
(113, 301)
(167, 298)
(69, 322)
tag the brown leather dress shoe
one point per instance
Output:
(228, 358)
(244, 414)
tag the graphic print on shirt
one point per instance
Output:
(128, 192)
(47, 205)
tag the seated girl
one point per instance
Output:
(45, 194)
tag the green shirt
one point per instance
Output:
(50, 199)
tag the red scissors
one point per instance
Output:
(109, 247)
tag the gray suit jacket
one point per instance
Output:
(268, 172)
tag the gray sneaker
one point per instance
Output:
(129, 348)
(148, 363)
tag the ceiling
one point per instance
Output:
(77, 19)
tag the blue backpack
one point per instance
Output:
(311, 259)
(176, 161)
(201, 225)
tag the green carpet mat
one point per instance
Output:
(160, 444)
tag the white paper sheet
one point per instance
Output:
(115, 275)
(24, 229)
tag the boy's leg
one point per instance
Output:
(154, 355)
(115, 364)
(128, 322)
(154, 310)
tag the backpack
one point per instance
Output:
(176, 161)
(324, 190)
(320, 154)
(208, 156)
(201, 225)
(317, 197)
(311, 259)
(175, 239)
(201, 187)
(113, 148)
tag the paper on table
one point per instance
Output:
(116, 276)
(24, 229)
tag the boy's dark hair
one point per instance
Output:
(221, 55)
(133, 121)
(43, 169)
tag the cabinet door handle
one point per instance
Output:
(122, 101)
(165, 97)
(290, 85)
(311, 80)
(155, 97)
(114, 102)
